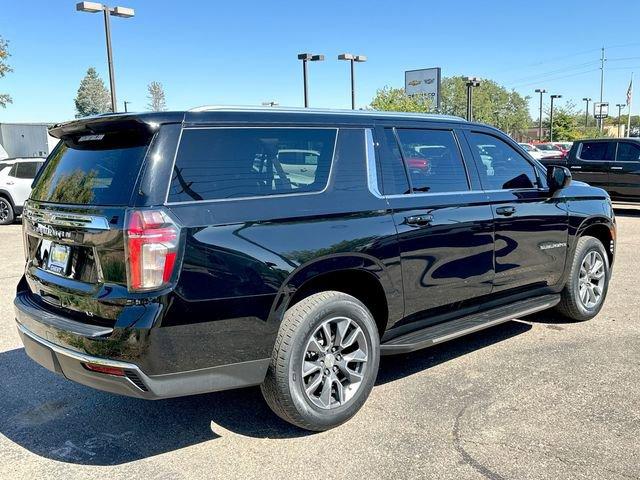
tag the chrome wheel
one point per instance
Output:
(334, 362)
(591, 279)
(4, 210)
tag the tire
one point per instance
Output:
(572, 304)
(6, 212)
(301, 336)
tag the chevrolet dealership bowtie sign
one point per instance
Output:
(424, 82)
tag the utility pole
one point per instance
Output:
(586, 111)
(472, 82)
(602, 60)
(540, 91)
(620, 107)
(307, 57)
(553, 97)
(124, 12)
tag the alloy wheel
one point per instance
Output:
(591, 279)
(334, 363)
(4, 210)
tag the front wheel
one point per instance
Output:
(324, 363)
(586, 288)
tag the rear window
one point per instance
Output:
(27, 170)
(98, 169)
(220, 163)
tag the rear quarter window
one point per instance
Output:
(225, 163)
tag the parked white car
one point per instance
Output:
(16, 176)
(532, 150)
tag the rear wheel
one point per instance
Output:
(324, 363)
(6, 212)
(586, 288)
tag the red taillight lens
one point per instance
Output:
(152, 246)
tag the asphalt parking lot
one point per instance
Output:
(535, 398)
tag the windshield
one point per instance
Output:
(92, 170)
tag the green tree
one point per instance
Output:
(157, 101)
(492, 104)
(396, 100)
(93, 97)
(4, 69)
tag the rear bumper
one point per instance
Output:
(135, 382)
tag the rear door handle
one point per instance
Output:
(616, 168)
(419, 220)
(506, 211)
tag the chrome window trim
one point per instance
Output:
(256, 197)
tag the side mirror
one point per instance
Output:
(558, 177)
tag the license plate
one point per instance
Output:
(58, 261)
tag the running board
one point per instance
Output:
(449, 330)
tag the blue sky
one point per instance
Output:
(244, 52)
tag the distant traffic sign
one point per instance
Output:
(600, 109)
(425, 81)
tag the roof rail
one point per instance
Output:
(324, 111)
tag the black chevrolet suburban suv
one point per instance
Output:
(612, 164)
(177, 253)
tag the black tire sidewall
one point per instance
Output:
(592, 244)
(354, 310)
(10, 215)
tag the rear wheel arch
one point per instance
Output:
(7, 196)
(359, 283)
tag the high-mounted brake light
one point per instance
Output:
(152, 240)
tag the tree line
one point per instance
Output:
(94, 98)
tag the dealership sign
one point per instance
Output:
(600, 109)
(424, 82)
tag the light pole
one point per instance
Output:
(586, 111)
(124, 12)
(620, 107)
(541, 91)
(472, 82)
(307, 57)
(126, 102)
(352, 59)
(553, 97)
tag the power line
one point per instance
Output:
(555, 78)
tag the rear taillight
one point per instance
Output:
(152, 240)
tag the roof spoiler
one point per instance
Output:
(145, 123)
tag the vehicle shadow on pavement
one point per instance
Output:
(58, 419)
(627, 211)
(399, 366)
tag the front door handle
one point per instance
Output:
(616, 168)
(419, 220)
(506, 211)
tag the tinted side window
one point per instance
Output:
(392, 179)
(27, 170)
(502, 167)
(14, 169)
(433, 160)
(628, 152)
(218, 163)
(595, 151)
